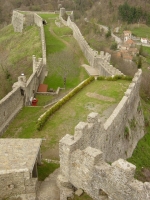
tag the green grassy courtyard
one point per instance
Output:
(96, 97)
(99, 96)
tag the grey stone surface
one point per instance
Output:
(79, 192)
(16, 154)
(48, 189)
(83, 164)
(17, 21)
(17, 160)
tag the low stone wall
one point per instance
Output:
(116, 138)
(10, 105)
(17, 182)
(100, 61)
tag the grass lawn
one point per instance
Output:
(56, 42)
(141, 31)
(64, 120)
(16, 50)
(44, 99)
(53, 44)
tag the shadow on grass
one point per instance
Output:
(45, 169)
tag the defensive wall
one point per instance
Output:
(99, 61)
(84, 166)
(10, 105)
(24, 90)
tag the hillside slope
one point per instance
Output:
(16, 50)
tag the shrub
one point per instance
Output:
(126, 132)
(114, 46)
(42, 120)
(115, 78)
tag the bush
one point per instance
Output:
(115, 78)
(41, 122)
(114, 46)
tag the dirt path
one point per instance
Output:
(48, 189)
(66, 43)
(53, 33)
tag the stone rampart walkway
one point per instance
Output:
(90, 70)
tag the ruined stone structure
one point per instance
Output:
(99, 61)
(83, 164)
(24, 89)
(84, 157)
(18, 167)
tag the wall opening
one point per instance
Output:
(22, 92)
(44, 22)
(34, 171)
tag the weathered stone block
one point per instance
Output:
(79, 192)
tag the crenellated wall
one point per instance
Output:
(24, 89)
(116, 138)
(102, 181)
(99, 61)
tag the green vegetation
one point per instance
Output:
(140, 30)
(126, 132)
(132, 123)
(132, 14)
(45, 169)
(44, 99)
(97, 96)
(83, 197)
(54, 80)
(16, 50)
(141, 154)
(59, 104)
(58, 39)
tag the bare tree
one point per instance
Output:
(64, 63)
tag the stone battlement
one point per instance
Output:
(84, 165)
(99, 61)
(89, 171)
(23, 89)
(110, 136)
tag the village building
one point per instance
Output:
(144, 40)
(127, 35)
(128, 48)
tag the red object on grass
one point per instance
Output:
(34, 102)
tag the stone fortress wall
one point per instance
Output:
(83, 164)
(16, 182)
(10, 105)
(99, 61)
(23, 90)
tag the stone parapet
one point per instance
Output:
(88, 170)
(84, 165)
(99, 61)
(24, 89)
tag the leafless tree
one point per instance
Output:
(64, 63)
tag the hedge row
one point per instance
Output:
(115, 78)
(42, 120)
